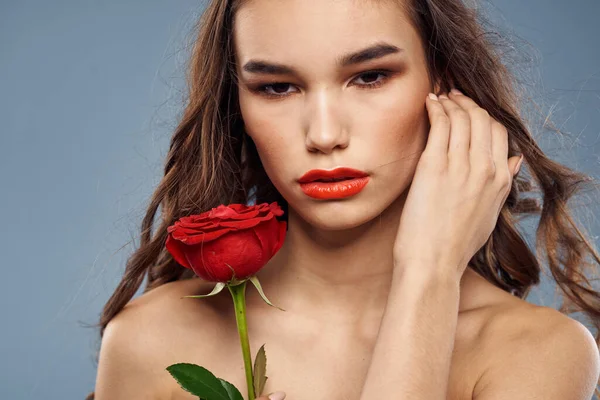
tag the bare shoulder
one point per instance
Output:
(163, 311)
(167, 302)
(518, 322)
(535, 352)
(150, 331)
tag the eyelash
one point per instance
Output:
(385, 73)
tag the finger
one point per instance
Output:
(460, 129)
(481, 128)
(279, 395)
(439, 133)
(500, 147)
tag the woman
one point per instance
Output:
(412, 287)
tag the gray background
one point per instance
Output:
(89, 96)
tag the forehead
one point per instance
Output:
(297, 30)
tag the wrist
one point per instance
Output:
(427, 292)
(426, 272)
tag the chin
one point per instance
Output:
(339, 222)
(339, 215)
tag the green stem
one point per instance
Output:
(238, 293)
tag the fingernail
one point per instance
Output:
(432, 96)
(277, 396)
(456, 91)
(519, 164)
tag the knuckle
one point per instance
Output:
(487, 170)
(442, 119)
(504, 188)
(464, 118)
(460, 114)
(484, 152)
(503, 179)
(480, 113)
(499, 128)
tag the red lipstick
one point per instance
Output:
(335, 184)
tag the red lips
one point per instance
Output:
(337, 173)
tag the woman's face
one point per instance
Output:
(367, 113)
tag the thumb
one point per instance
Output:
(273, 396)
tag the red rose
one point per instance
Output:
(245, 237)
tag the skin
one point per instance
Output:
(326, 121)
(367, 314)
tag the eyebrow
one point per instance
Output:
(373, 52)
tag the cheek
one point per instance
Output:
(270, 145)
(402, 124)
(267, 133)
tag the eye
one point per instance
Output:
(371, 74)
(278, 89)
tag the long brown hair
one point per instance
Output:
(210, 148)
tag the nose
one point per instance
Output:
(326, 128)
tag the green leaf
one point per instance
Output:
(232, 391)
(198, 381)
(218, 287)
(260, 369)
(234, 281)
(254, 280)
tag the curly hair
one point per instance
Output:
(209, 147)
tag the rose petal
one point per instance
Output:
(245, 237)
(175, 248)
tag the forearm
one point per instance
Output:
(411, 358)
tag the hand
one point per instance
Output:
(461, 181)
(273, 396)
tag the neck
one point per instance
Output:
(344, 276)
(346, 273)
